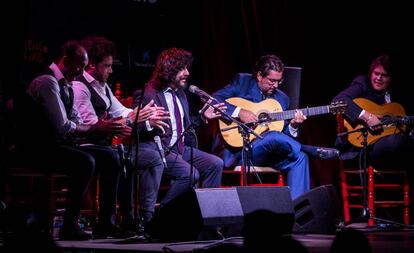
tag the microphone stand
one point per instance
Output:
(134, 136)
(367, 213)
(245, 132)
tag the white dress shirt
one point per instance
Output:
(84, 105)
(170, 104)
(45, 90)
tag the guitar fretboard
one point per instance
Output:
(407, 120)
(306, 111)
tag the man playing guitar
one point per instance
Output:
(277, 149)
(371, 103)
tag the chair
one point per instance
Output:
(385, 188)
(265, 172)
(266, 176)
(32, 186)
(36, 187)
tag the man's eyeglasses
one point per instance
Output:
(274, 81)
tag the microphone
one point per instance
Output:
(161, 150)
(205, 107)
(194, 89)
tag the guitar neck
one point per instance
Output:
(408, 120)
(290, 114)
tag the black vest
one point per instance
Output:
(98, 103)
(67, 101)
(33, 124)
(100, 108)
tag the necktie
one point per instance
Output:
(177, 114)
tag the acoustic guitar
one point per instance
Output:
(391, 115)
(271, 116)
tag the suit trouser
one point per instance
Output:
(392, 151)
(108, 167)
(283, 152)
(208, 170)
(150, 169)
(80, 163)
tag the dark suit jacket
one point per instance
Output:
(361, 88)
(150, 93)
(243, 86)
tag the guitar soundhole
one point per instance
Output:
(264, 116)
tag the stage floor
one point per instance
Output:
(380, 240)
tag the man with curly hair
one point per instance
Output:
(166, 89)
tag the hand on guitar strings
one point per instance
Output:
(298, 119)
(373, 122)
(247, 116)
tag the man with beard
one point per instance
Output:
(94, 99)
(166, 89)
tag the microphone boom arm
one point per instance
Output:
(242, 126)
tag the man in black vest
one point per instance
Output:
(55, 135)
(94, 99)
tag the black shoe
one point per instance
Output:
(327, 153)
(105, 230)
(133, 225)
(73, 233)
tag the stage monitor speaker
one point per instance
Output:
(197, 215)
(317, 211)
(276, 200)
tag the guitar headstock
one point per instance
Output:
(338, 107)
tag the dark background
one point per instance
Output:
(332, 41)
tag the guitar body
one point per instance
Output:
(233, 137)
(391, 109)
(271, 117)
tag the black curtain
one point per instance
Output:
(331, 41)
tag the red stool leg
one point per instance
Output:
(371, 195)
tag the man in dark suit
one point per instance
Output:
(276, 149)
(389, 150)
(166, 89)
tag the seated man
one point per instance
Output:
(165, 88)
(94, 99)
(388, 149)
(56, 135)
(276, 149)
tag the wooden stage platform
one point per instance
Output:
(401, 240)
